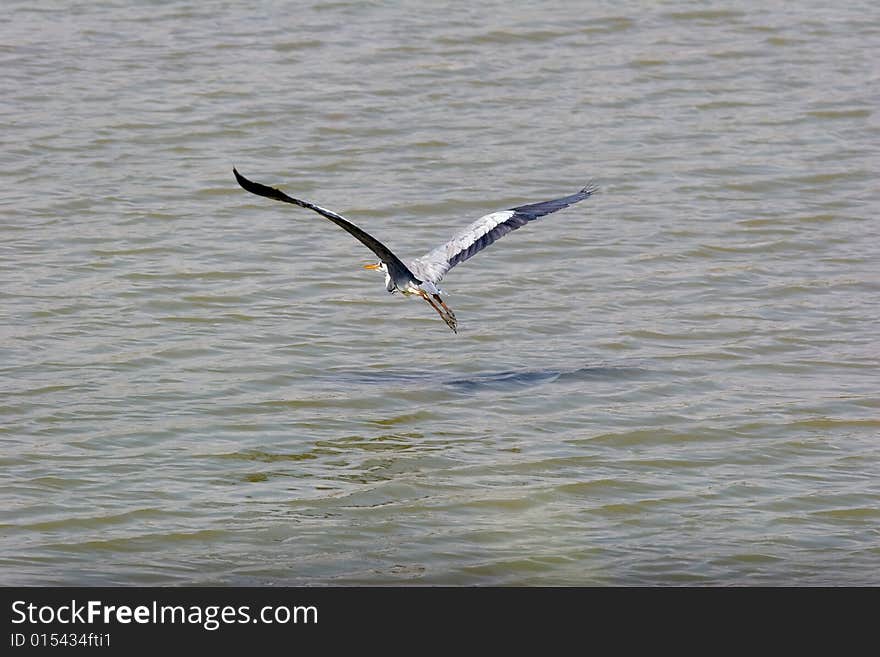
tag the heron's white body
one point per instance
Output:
(410, 288)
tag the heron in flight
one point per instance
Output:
(421, 276)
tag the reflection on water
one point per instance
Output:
(537, 377)
(507, 379)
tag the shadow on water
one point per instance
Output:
(504, 380)
(527, 378)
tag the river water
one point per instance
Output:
(673, 382)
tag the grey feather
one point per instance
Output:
(484, 231)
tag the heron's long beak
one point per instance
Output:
(372, 266)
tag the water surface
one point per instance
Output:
(674, 382)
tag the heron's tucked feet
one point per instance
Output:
(442, 309)
(449, 318)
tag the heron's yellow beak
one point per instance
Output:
(372, 266)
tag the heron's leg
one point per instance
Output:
(435, 307)
(447, 317)
(444, 306)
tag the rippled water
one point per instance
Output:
(675, 381)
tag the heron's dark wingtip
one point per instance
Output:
(589, 189)
(255, 188)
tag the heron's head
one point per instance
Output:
(380, 266)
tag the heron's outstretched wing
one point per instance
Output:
(485, 230)
(384, 253)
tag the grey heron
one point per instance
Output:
(420, 277)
